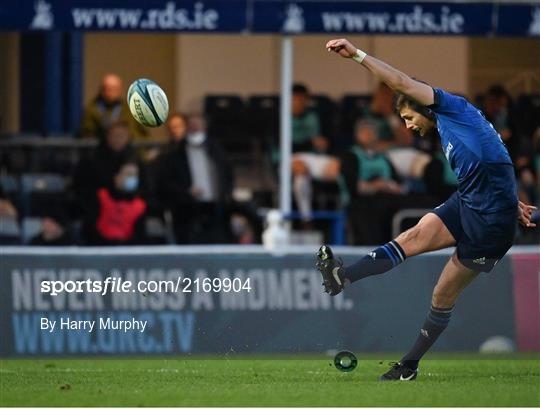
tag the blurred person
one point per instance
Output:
(480, 219)
(369, 185)
(98, 170)
(527, 166)
(108, 107)
(54, 227)
(7, 209)
(497, 108)
(9, 223)
(242, 229)
(391, 130)
(307, 167)
(306, 128)
(366, 170)
(310, 159)
(194, 180)
(118, 212)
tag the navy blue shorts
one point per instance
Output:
(482, 239)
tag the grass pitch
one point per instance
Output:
(443, 381)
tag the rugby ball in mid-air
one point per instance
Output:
(148, 103)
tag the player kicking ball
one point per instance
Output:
(479, 219)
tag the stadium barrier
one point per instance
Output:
(285, 310)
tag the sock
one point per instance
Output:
(302, 195)
(436, 322)
(378, 261)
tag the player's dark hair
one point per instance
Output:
(404, 101)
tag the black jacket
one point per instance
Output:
(98, 171)
(174, 181)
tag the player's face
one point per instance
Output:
(417, 122)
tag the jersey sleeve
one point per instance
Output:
(446, 103)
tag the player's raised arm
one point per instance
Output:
(395, 79)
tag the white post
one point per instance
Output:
(285, 126)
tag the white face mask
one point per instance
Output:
(196, 138)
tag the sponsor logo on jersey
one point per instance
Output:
(447, 151)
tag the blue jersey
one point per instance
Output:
(476, 154)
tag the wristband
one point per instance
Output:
(359, 57)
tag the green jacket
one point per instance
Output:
(98, 117)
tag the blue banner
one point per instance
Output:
(267, 16)
(373, 18)
(119, 302)
(519, 20)
(117, 15)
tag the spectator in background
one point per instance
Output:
(375, 191)
(364, 169)
(527, 166)
(306, 129)
(118, 213)
(310, 159)
(195, 181)
(99, 169)
(394, 139)
(108, 107)
(6, 207)
(391, 131)
(9, 224)
(497, 108)
(99, 172)
(370, 186)
(54, 227)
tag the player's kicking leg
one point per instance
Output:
(454, 278)
(428, 235)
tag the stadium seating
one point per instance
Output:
(263, 118)
(352, 108)
(37, 189)
(528, 114)
(327, 112)
(226, 116)
(10, 231)
(31, 226)
(248, 128)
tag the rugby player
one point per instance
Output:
(480, 219)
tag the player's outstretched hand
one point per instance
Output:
(525, 214)
(342, 46)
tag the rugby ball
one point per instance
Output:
(148, 103)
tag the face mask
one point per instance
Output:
(196, 138)
(131, 183)
(238, 225)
